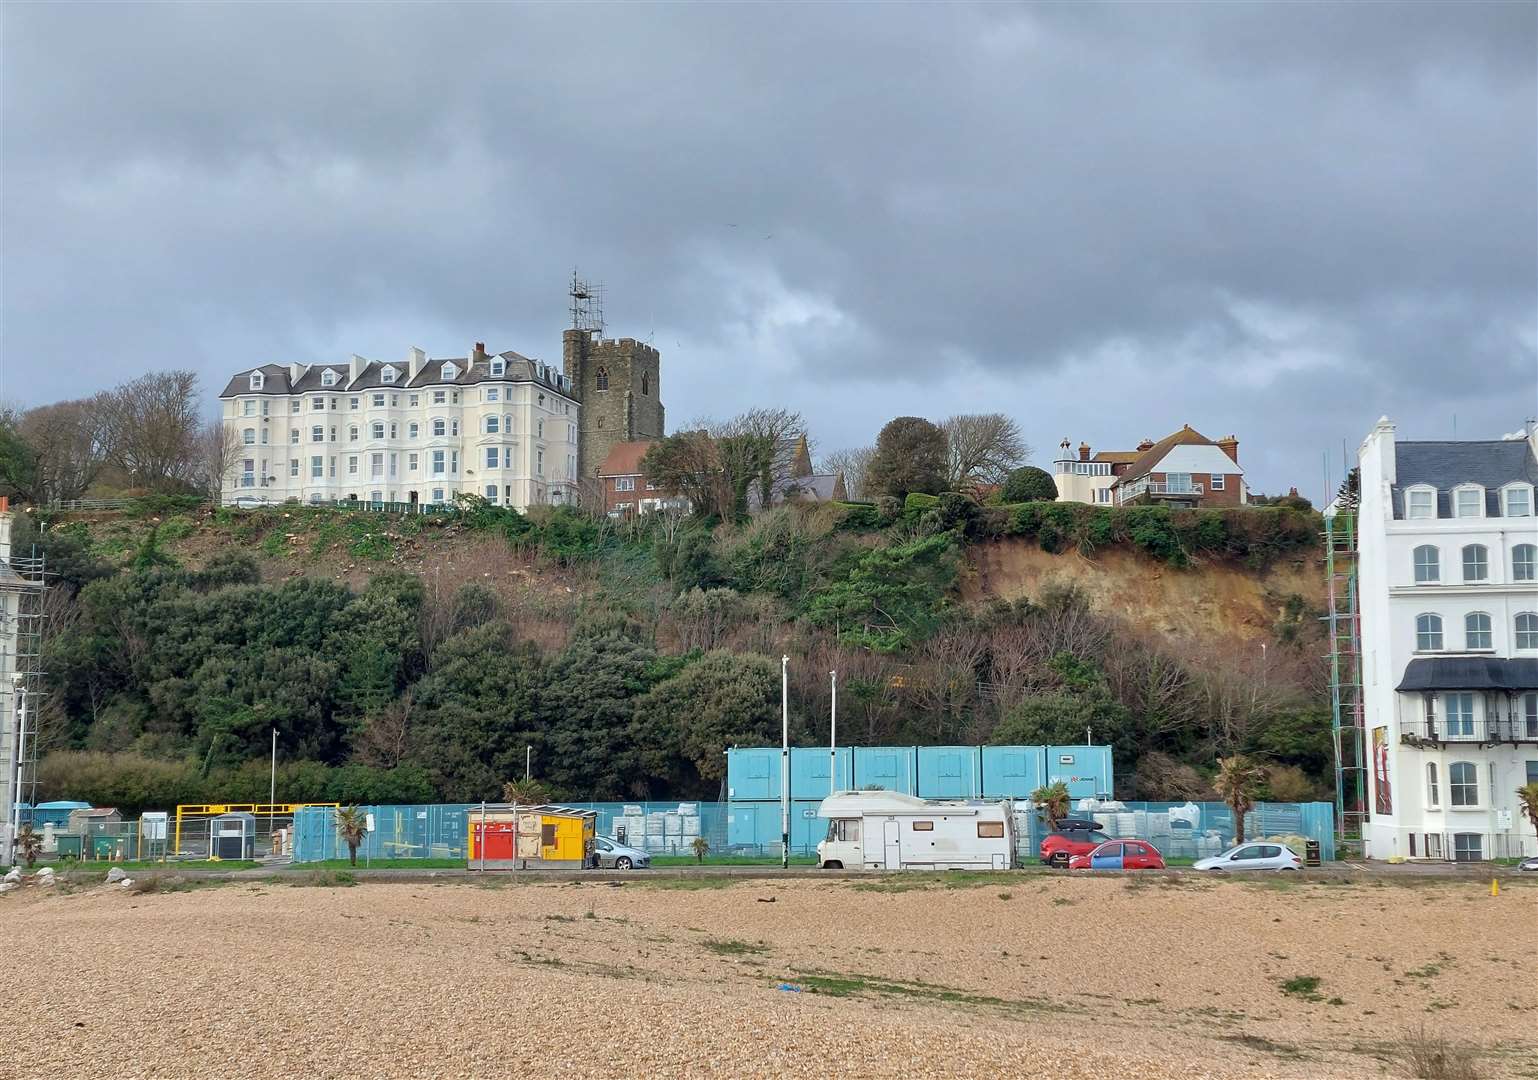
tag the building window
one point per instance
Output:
(293, 406)
(1469, 502)
(293, 467)
(1433, 794)
(507, 424)
(454, 427)
(1518, 499)
(411, 463)
(498, 367)
(539, 463)
(450, 372)
(1530, 716)
(1463, 783)
(491, 493)
(352, 403)
(439, 427)
(1460, 716)
(411, 430)
(328, 377)
(1421, 503)
(539, 429)
(318, 405)
(1524, 562)
(1467, 847)
(1428, 568)
(601, 379)
(1527, 630)
(293, 435)
(493, 424)
(491, 393)
(352, 465)
(318, 467)
(454, 462)
(1476, 563)
(248, 436)
(1476, 631)
(248, 407)
(1428, 633)
(507, 457)
(437, 495)
(439, 397)
(377, 400)
(624, 483)
(387, 375)
(256, 380)
(376, 430)
(375, 466)
(317, 434)
(438, 459)
(1179, 483)
(1217, 481)
(491, 457)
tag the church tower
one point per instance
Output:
(619, 384)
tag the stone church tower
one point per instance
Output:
(619, 384)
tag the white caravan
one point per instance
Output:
(886, 830)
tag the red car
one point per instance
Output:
(1120, 855)
(1062, 845)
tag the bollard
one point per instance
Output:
(1495, 887)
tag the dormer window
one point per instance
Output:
(450, 372)
(1420, 502)
(328, 377)
(1516, 500)
(257, 378)
(498, 366)
(1469, 501)
(387, 374)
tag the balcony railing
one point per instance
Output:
(1159, 489)
(1506, 730)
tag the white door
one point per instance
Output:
(889, 845)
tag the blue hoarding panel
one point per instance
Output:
(1012, 772)
(753, 773)
(1085, 769)
(890, 768)
(948, 772)
(809, 772)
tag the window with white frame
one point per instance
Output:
(1433, 793)
(439, 459)
(454, 426)
(1517, 500)
(333, 434)
(498, 367)
(293, 467)
(1476, 562)
(376, 466)
(293, 435)
(413, 400)
(412, 430)
(328, 377)
(1217, 481)
(248, 436)
(450, 372)
(394, 429)
(440, 426)
(1460, 716)
(1421, 502)
(507, 457)
(318, 467)
(378, 401)
(317, 434)
(376, 430)
(257, 380)
(539, 463)
(437, 495)
(1530, 715)
(507, 424)
(331, 466)
(352, 464)
(1477, 631)
(1468, 847)
(1463, 783)
(624, 483)
(352, 403)
(264, 436)
(352, 433)
(491, 493)
(248, 407)
(491, 457)
(454, 462)
(439, 397)
(411, 462)
(1527, 630)
(1524, 562)
(387, 374)
(1428, 564)
(395, 400)
(1469, 501)
(491, 393)
(1428, 633)
(493, 425)
(318, 404)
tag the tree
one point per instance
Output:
(685, 723)
(526, 792)
(1237, 783)
(28, 844)
(1053, 802)
(1527, 795)
(352, 827)
(586, 708)
(701, 848)
(910, 456)
(218, 451)
(981, 448)
(687, 462)
(18, 463)
(1349, 494)
(153, 430)
(70, 442)
(854, 464)
(1028, 484)
(769, 437)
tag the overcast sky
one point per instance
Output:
(1275, 221)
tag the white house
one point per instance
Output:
(1448, 602)
(500, 426)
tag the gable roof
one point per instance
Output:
(624, 459)
(1146, 461)
(1490, 463)
(274, 381)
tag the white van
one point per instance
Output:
(886, 830)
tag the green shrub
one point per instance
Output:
(917, 502)
(162, 505)
(859, 517)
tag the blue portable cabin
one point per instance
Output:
(1085, 769)
(810, 768)
(949, 772)
(753, 774)
(1012, 772)
(51, 813)
(890, 768)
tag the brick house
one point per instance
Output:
(1185, 469)
(623, 486)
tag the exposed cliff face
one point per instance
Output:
(1213, 601)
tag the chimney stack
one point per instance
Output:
(478, 354)
(1230, 446)
(415, 360)
(1084, 451)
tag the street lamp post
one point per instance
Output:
(784, 762)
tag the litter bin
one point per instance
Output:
(1311, 853)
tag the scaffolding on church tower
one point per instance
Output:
(1343, 621)
(23, 620)
(586, 305)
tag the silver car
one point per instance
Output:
(613, 855)
(1263, 856)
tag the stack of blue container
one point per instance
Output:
(930, 772)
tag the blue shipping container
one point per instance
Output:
(753, 773)
(1012, 772)
(949, 772)
(1085, 769)
(890, 768)
(810, 768)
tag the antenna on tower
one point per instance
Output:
(586, 305)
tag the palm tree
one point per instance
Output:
(1052, 800)
(28, 844)
(1238, 781)
(525, 792)
(1527, 794)
(352, 827)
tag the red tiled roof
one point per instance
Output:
(625, 458)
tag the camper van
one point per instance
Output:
(887, 830)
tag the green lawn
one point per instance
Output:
(173, 864)
(732, 860)
(384, 864)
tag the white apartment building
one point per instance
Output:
(418, 432)
(1448, 602)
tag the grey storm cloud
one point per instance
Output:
(1278, 221)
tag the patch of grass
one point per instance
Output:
(1302, 986)
(731, 860)
(1257, 1042)
(1063, 901)
(387, 864)
(686, 884)
(846, 985)
(170, 883)
(734, 947)
(102, 865)
(1433, 1056)
(560, 918)
(320, 879)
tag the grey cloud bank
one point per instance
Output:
(1279, 221)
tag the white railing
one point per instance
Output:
(1126, 493)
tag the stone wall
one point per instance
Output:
(619, 382)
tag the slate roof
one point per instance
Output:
(1469, 673)
(519, 369)
(1490, 463)
(275, 382)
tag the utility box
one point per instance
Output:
(1311, 853)
(232, 836)
(508, 837)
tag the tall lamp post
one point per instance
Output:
(784, 762)
(833, 736)
(20, 690)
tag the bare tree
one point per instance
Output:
(71, 443)
(386, 734)
(154, 427)
(855, 465)
(982, 449)
(218, 452)
(1240, 689)
(773, 437)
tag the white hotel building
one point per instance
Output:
(500, 426)
(1448, 601)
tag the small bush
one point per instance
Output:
(1302, 986)
(323, 879)
(917, 502)
(1435, 1057)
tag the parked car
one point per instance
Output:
(250, 502)
(1120, 855)
(1064, 843)
(613, 855)
(1529, 864)
(1252, 857)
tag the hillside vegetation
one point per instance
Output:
(413, 658)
